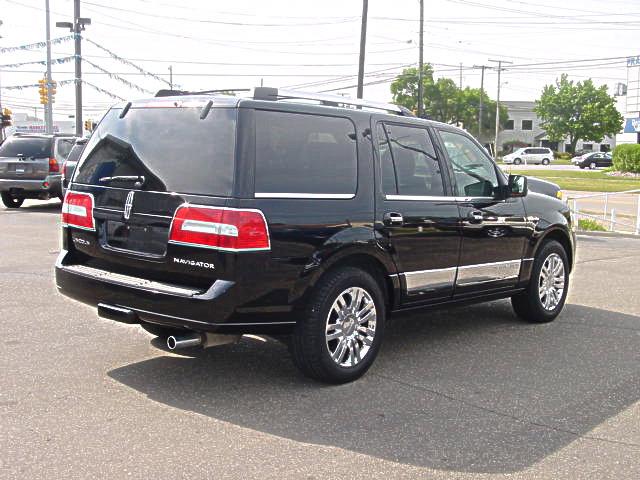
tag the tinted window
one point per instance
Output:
(26, 146)
(75, 152)
(475, 173)
(64, 147)
(415, 170)
(298, 153)
(171, 147)
(529, 151)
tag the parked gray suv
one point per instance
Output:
(31, 167)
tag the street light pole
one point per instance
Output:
(495, 144)
(421, 63)
(48, 108)
(363, 42)
(76, 27)
(480, 108)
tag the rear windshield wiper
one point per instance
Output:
(138, 179)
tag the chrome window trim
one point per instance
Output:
(327, 196)
(430, 198)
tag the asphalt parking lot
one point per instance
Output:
(469, 392)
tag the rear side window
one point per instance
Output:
(27, 147)
(171, 147)
(408, 160)
(64, 147)
(299, 154)
(75, 152)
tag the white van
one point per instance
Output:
(530, 155)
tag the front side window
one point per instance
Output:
(409, 162)
(298, 154)
(475, 173)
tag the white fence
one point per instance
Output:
(610, 218)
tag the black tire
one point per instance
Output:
(581, 167)
(528, 304)
(161, 330)
(310, 346)
(517, 161)
(11, 201)
(545, 161)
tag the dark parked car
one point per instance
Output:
(202, 217)
(69, 165)
(30, 167)
(594, 160)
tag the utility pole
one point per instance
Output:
(495, 144)
(363, 42)
(76, 27)
(421, 63)
(460, 85)
(171, 77)
(483, 68)
(48, 108)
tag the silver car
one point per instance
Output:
(31, 167)
(530, 155)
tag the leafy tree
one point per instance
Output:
(445, 102)
(579, 111)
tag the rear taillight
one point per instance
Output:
(77, 210)
(53, 165)
(227, 229)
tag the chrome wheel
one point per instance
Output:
(351, 327)
(551, 282)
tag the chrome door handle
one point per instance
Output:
(475, 217)
(393, 218)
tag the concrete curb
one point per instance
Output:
(591, 233)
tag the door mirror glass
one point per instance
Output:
(517, 186)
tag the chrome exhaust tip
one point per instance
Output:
(184, 341)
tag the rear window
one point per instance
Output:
(304, 154)
(171, 147)
(37, 147)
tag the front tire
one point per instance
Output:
(341, 333)
(544, 297)
(517, 161)
(11, 201)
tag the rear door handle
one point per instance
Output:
(393, 218)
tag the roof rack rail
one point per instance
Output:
(172, 93)
(275, 94)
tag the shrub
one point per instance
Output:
(626, 158)
(590, 225)
(563, 155)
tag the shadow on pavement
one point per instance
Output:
(48, 207)
(468, 389)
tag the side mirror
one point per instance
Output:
(517, 186)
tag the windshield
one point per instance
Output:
(171, 147)
(37, 147)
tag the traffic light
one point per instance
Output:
(42, 90)
(5, 118)
(52, 90)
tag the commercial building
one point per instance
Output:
(523, 129)
(629, 103)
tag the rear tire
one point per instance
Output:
(544, 297)
(517, 161)
(11, 201)
(160, 330)
(343, 327)
(545, 161)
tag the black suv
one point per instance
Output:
(202, 217)
(31, 166)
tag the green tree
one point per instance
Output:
(445, 102)
(579, 111)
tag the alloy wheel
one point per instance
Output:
(551, 282)
(351, 327)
